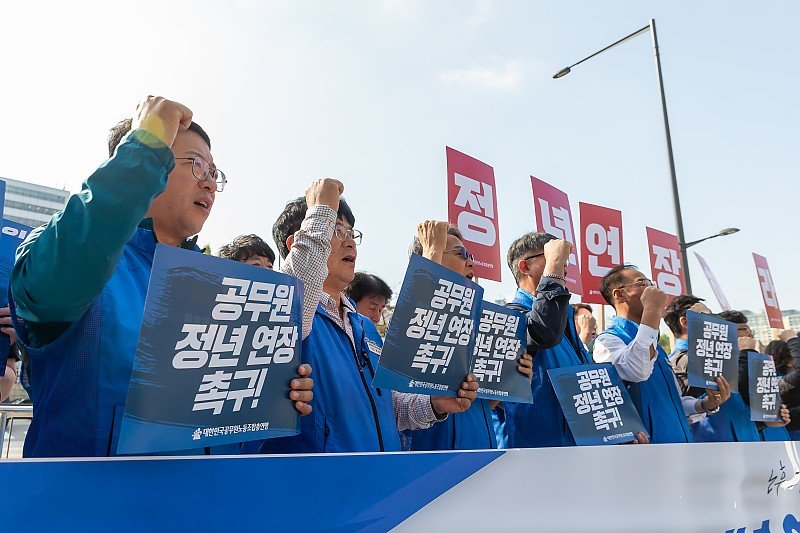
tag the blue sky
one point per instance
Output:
(372, 92)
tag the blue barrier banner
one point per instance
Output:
(596, 405)
(13, 235)
(430, 340)
(713, 350)
(765, 402)
(499, 343)
(219, 344)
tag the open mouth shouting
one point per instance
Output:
(204, 203)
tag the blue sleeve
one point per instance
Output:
(62, 267)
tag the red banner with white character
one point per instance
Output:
(472, 206)
(553, 216)
(601, 236)
(665, 262)
(768, 292)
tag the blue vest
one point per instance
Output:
(350, 414)
(542, 423)
(657, 399)
(79, 382)
(471, 430)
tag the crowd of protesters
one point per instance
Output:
(79, 284)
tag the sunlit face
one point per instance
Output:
(342, 260)
(630, 289)
(259, 260)
(181, 210)
(372, 306)
(453, 257)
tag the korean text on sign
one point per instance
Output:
(599, 397)
(495, 343)
(218, 346)
(445, 323)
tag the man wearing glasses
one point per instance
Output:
(538, 262)
(631, 344)
(79, 283)
(350, 414)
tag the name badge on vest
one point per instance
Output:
(373, 347)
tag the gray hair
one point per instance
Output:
(530, 243)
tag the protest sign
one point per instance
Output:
(472, 206)
(712, 280)
(601, 235)
(429, 343)
(713, 350)
(499, 342)
(553, 216)
(596, 404)
(219, 343)
(13, 235)
(665, 262)
(765, 400)
(768, 292)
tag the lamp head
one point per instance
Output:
(727, 231)
(561, 73)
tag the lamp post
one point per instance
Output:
(722, 233)
(676, 203)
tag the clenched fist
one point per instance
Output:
(432, 235)
(325, 191)
(163, 118)
(556, 256)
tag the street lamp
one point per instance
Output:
(675, 199)
(722, 233)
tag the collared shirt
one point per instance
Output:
(633, 362)
(411, 411)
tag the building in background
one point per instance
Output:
(760, 325)
(31, 204)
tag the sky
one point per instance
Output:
(372, 92)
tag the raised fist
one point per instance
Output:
(432, 235)
(556, 256)
(654, 298)
(325, 191)
(161, 117)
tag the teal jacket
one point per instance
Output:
(78, 288)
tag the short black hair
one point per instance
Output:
(737, 317)
(364, 285)
(122, 127)
(779, 350)
(530, 243)
(585, 307)
(677, 309)
(611, 281)
(244, 247)
(452, 229)
(292, 216)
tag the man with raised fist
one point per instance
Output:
(631, 344)
(79, 282)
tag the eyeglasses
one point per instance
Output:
(202, 171)
(532, 256)
(744, 328)
(639, 283)
(343, 233)
(463, 253)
